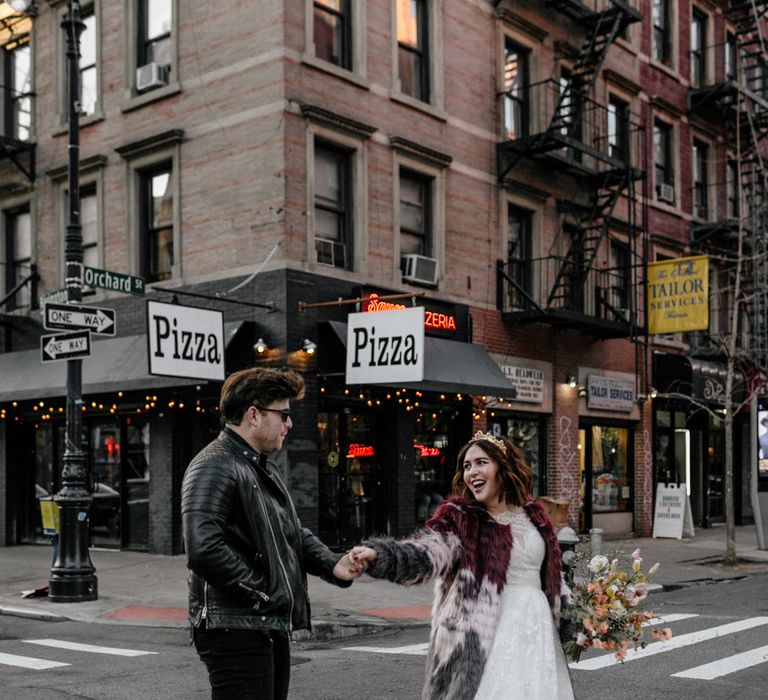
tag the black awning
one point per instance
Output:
(449, 365)
(114, 364)
(702, 380)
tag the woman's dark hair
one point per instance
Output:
(516, 476)
(258, 386)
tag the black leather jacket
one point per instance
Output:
(247, 553)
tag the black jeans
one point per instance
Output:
(245, 664)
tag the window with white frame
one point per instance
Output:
(732, 189)
(618, 129)
(156, 218)
(519, 255)
(88, 63)
(413, 59)
(731, 56)
(333, 212)
(620, 277)
(516, 97)
(663, 162)
(662, 31)
(700, 179)
(18, 90)
(153, 49)
(332, 31)
(89, 223)
(415, 213)
(18, 246)
(698, 51)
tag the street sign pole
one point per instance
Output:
(73, 576)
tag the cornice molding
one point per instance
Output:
(416, 150)
(324, 117)
(86, 165)
(527, 27)
(621, 81)
(166, 139)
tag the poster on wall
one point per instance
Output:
(762, 443)
(678, 295)
(672, 516)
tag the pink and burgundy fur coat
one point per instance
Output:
(467, 553)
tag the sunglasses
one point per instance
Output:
(285, 413)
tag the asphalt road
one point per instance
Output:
(720, 645)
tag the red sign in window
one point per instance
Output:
(358, 450)
(425, 451)
(432, 319)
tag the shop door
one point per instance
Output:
(715, 476)
(605, 465)
(351, 495)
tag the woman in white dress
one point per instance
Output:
(494, 557)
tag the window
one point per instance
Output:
(519, 254)
(155, 24)
(333, 207)
(732, 189)
(18, 227)
(731, 54)
(89, 85)
(332, 30)
(156, 221)
(618, 129)
(620, 277)
(18, 95)
(516, 80)
(698, 49)
(662, 154)
(700, 180)
(415, 213)
(413, 48)
(662, 49)
(89, 222)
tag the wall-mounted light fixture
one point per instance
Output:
(260, 347)
(307, 346)
(654, 392)
(582, 392)
(570, 380)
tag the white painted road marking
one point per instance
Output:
(411, 649)
(29, 662)
(666, 619)
(723, 667)
(675, 643)
(90, 648)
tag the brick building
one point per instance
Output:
(490, 160)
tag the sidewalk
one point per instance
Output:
(148, 589)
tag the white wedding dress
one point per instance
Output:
(526, 661)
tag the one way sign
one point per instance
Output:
(65, 346)
(72, 317)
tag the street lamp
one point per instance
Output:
(72, 577)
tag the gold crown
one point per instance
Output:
(490, 438)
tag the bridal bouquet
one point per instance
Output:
(607, 609)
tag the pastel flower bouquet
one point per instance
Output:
(607, 610)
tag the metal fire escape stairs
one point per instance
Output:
(747, 138)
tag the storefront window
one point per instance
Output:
(529, 435)
(105, 484)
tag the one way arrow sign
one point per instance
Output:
(73, 317)
(65, 346)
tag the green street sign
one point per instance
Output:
(116, 281)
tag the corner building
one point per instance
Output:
(297, 162)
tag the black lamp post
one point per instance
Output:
(72, 577)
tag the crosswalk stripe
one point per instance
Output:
(723, 667)
(666, 619)
(411, 649)
(90, 648)
(675, 643)
(29, 662)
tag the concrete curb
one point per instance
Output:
(32, 614)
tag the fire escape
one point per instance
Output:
(739, 98)
(17, 169)
(566, 129)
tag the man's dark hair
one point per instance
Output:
(258, 386)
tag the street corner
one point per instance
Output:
(32, 613)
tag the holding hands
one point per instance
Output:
(354, 563)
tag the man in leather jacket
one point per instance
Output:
(247, 553)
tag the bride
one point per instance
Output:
(496, 563)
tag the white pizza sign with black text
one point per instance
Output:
(385, 347)
(185, 341)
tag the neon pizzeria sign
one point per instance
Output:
(432, 319)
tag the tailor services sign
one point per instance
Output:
(185, 341)
(678, 295)
(385, 348)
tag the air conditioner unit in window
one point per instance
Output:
(419, 269)
(665, 193)
(150, 76)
